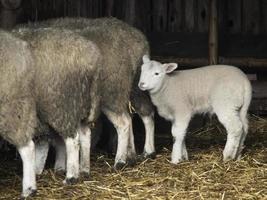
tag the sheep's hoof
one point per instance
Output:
(70, 181)
(146, 155)
(131, 162)
(60, 172)
(119, 165)
(29, 193)
(85, 175)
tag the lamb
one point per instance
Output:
(64, 76)
(17, 108)
(219, 89)
(122, 48)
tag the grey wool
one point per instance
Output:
(64, 73)
(17, 107)
(122, 47)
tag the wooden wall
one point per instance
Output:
(235, 16)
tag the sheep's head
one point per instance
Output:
(153, 74)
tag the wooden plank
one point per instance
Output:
(175, 16)
(234, 14)
(184, 63)
(179, 44)
(109, 7)
(247, 63)
(95, 9)
(251, 16)
(259, 89)
(130, 12)
(203, 15)
(231, 45)
(263, 16)
(83, 8)
(190, 17)
(159, 9)
(213, 33)
(143, 15)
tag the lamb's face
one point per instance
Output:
(153, 74)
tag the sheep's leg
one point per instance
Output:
(72, 164)
(27, 154)
(122, 123)
(179, 128)
(131, 153)
(60, 160)
(41, 152)
(234, 128)
(149, 148)
(85, 142)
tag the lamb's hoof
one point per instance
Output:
(70, 181)
(227, 159)
(29, 193)
(176, 162)
(119, 165)
(146, 155)
(38, 172)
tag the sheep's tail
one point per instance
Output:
(243, 115)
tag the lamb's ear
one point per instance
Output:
(146, 59)
(170, 67)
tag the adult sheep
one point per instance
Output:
(64, 77)
(220, 89)
(122, 47)
(17, 103)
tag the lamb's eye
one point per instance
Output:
(156, 73)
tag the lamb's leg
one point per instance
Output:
(122, 123)
(241, 144)
(60, 149)
(72, 164)
(185, 154)
(41, 152)
(244, 135)
(233, 126)
(149, 148)
(27, 154)
(85, 142)
(179, 128)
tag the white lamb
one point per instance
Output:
(220, 89)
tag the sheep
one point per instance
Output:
(122, 47)
(219, 89)
(17, 108)
(66, 66)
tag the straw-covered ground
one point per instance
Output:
(205, 176)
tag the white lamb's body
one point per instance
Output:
(219, 89)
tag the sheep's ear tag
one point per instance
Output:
(170, 67)
(146, 59)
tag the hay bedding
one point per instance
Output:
(204, 177)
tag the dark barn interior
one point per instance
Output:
(192, 33)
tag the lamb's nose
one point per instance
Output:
(141, 84)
